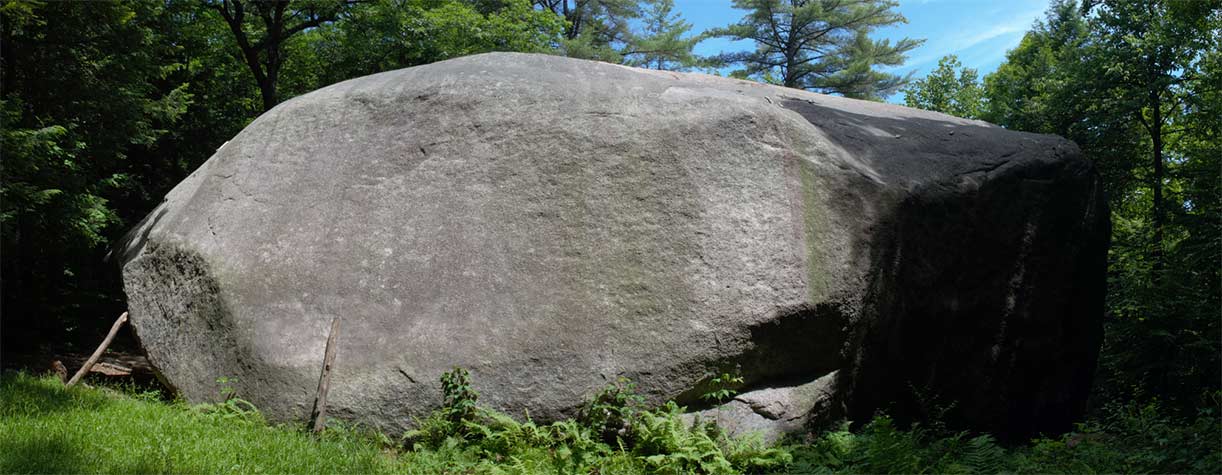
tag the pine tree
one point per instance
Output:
(662, 44)
(595, 29)
(821, 45)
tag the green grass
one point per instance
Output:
(46, 428)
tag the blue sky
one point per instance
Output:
(978, 31)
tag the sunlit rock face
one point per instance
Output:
(553, 224)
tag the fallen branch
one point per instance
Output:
(111, 369)
(318, 417)
(114, 329)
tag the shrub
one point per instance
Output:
(612, 410)
(613, 432)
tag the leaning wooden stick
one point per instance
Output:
(318, 417)
(114, 329)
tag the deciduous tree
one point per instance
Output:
(1136, 85)
(951, 88)
(387, 35)
(261, 28)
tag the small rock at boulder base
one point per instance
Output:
(553, 224)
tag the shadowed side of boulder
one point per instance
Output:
(986, 305)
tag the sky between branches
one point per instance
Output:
(978, 31)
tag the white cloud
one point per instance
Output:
(1014, 26)
(958, 41)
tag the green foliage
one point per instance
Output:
(231, 407)
(612, 429)
(382, 36)
(669, 446)
(943, 91)
(458, 399)
(1160, 73)
(662, 43)
(83, 99)
(45, 427)
(611, 411)
(722, 388)
(40, 162)
(1129, 439)
(456, 417)
(1133, 438)
(594, 29)
(880, 447)
(262, 32)
(1034, 90)
(820, 45)
(1135, 85)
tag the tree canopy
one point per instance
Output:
(949, 88)
(106, 106)
(1136, 85)
(821, 45)
(261, 29)
(664, 42)
(594, 29)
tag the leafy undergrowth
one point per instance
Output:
(1135, 439)
(45, 428)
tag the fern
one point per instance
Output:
(612, 430)
(983, 455)
(750, 454)
(669, 446)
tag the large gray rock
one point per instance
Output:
(552, 224)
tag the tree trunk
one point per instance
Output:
(791, 57)
(791, 60)
(1159, 218)
(267, 88)
(250, 52)
(22, 296)
(574, 23)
